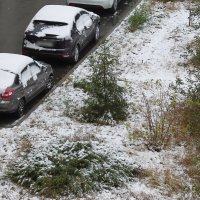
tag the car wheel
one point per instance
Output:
(114, 6)
(97, 34)
(21, 108)
(75, 55)
(50, 83)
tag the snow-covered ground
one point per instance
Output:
(151, 54)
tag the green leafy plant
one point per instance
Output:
(69, 169)
(140, 16)
(106, 100)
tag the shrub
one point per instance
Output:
(191, 112)
(191, 90)
(193, 50)
(192, 118)
(106, 100)
(160, 113)
(191, 163)
(69, 169)
(139, 17)
(194, 13)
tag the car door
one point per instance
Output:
(88, 26)
(28, 83)
(79, 26)
(38, 77)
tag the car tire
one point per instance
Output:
(114, 6)
(21, 108)
(76, 53)
(97, 34)
(50, 83)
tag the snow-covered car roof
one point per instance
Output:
(57, 13)
(13, 62)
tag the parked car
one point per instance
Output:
(60, 31)
(105, 4)
(21, 79)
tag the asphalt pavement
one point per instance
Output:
(15, 15)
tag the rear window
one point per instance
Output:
(48, 23)
(6, 79)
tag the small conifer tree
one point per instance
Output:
(106, 100)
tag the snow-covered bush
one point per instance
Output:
(140, 16)
(106, 102)
(70, 169)
(161, 114)
(191, 89)
(194, 13)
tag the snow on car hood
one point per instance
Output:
(6, 80)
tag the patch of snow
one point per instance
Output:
(152, 53)
(59, 31)
(57, 13)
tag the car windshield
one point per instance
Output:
(49, 23)
(6, 79)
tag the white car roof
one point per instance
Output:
(14, 62)
(57, 13)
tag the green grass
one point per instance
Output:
(139, 17)
(72, 169)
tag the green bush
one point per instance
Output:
(139, 17)
(192, 93)
(193, 50)
(191, 90)
(191, 109)
(70, 169)
(197, 164)
(192, 118)
(106, 100)
(195, 14)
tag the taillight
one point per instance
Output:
(7, 94)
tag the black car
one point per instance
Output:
(60, 31)
(21, 79)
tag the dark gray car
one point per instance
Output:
(60, 31)
(21, 79)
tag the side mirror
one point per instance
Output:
(44, 68)
(92, 17)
